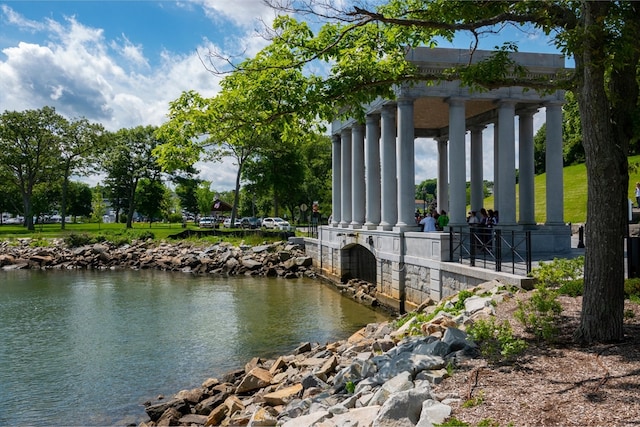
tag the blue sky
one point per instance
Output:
(120, 63)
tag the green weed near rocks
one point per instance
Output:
(497, 342)
(452, 422)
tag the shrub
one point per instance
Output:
(497, 342)
(554, 273)
(540, 314)
(74, 240)
(632, 287)
(572, 288)
(174, 217)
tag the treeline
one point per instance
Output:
(46, 159)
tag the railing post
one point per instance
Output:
(472, 243)
(581, 237)
(497, 243)
(528, 243)
(451, 243)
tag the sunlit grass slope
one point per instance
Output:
(575, 193)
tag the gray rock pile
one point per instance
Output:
(378, 377)
(280, 259)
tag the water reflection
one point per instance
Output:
(87, 348)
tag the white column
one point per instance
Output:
(336, 182)
(496, 166)
(442, 184)
(357, 176)
(406, 165)
(526, 168)
(372, 170)
(507, 160)
(388, 167)
(555, 192)
(477, 175)
(345, 219)
(457, 157)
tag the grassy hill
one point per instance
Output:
(575, 192)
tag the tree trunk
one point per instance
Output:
(63, 200)
(601, 319)
(132, 204)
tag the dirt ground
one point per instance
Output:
(553, 385)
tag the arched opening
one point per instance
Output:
(358, 263)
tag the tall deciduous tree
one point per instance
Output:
(30, 151)
(80, 147)
(79, 199)
(256, 108)
(128, 160)
(366, 50)
(150, 197)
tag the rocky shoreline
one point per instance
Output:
(380, 376)
(281, 259)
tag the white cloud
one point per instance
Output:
(251, 14)
(81, 74)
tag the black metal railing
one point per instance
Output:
(491, 248)
(312, 230)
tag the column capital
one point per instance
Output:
(372, 118)
(554, 103)
(477, 128)
(405, 101)
(456, 100)
(506, 102)
(527, 111)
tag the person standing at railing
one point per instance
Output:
(443, 220)
(428, 223)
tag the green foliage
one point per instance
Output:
(632, 287)
(572, 288)
(554, 273)
(452, 422)
(474, 401)
(629, 314)
(539, 315)
(488, 422)
(462, 297)
(118, 237)
(350, 386)
(40, 243)
(74, 240)
(420, 318)
(174, 217)
(497, 342)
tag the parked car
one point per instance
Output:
(227, 223)
(249, 222)
(207, 222)
(276, 223)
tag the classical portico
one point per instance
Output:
(382, 148)
(374, 165)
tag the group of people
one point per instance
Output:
(432, 221)
(486, 218)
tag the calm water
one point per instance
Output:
(88, 348)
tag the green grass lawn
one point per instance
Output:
(160, 230)
(575, 192)
(119, 233)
